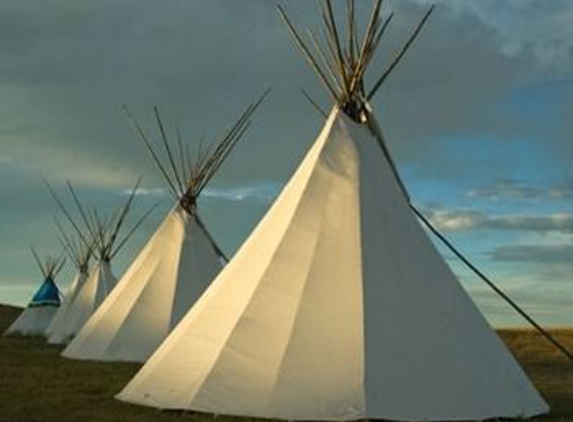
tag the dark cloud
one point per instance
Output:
(547, 37)
(66, 69)
(511, 189)
(535, 254)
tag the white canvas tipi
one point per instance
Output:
(80, 255)
(34, 320)
(101, 279)
(338, 306)
(173, 269)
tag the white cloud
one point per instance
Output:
(151, 192)
(261, 191)
(264, 192)
(455, 220)
(467, 219)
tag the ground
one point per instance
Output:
(36, 384)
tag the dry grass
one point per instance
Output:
(37, 385)
(550, 371)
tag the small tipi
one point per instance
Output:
(172, 270)
(105, 234)
(338, 306)
(34, 320)
(80, 254)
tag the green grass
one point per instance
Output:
(38, 385)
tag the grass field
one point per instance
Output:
(37, 385)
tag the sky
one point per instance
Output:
(478, 117)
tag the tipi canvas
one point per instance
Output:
(338, 306)
(60, 316)
(101, 279)
(34, 320)
(94, 290)
(170, 273)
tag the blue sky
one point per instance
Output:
(478, 118)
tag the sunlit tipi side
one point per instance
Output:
(80, 254)
(101, 279)
(338, 306)
(34, 320)
(173, 269)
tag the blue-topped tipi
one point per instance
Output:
(34, 320)
(47, 295)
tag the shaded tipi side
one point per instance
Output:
(104, 230)
(79, 254)
(338, 306)
(174, 268)
(34, 320)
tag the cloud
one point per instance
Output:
(148, 59)
(150, 192)
(506, 189)
(512, 189)
(59, 163)
(536, 27)
(458, 220)
(467, 219)
(561, 192)
(534, 254)
(263, 192)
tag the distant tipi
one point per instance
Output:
(80, 254)
(34, 320)
(173, 269)
(105, 234)
(338, 306)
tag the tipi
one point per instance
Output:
(80, 254)
(172, 270)
(338, 306)
(101, 280)
(34, 320)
